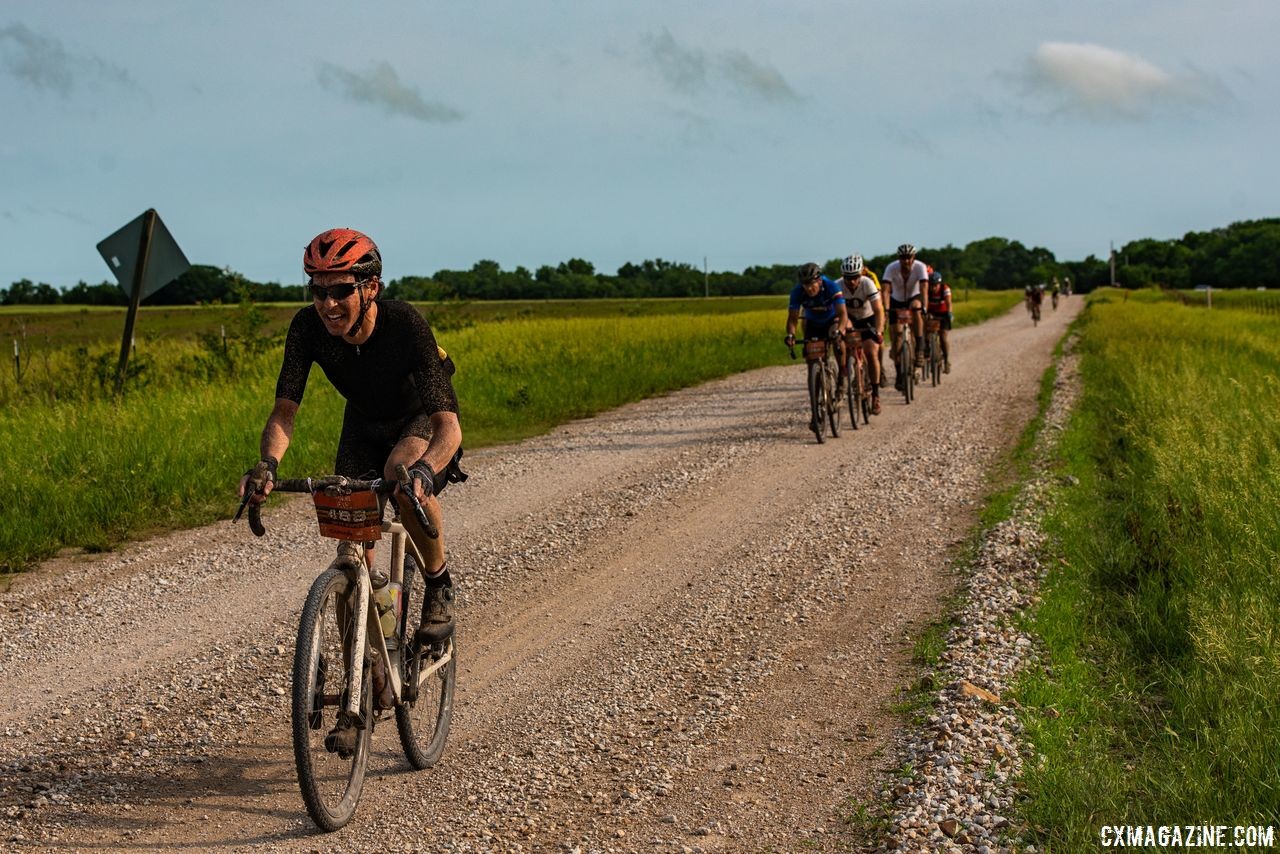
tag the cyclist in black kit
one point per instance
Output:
(401, 407)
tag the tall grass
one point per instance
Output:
(1163, 627)
(92, 472)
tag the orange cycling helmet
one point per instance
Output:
(340, 250)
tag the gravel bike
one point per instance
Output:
(824, 402)
(933, 339)
(359, 655)
(1035, 313)
(858, 391)
(904, 353)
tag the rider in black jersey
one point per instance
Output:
(401, 407)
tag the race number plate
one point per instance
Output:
(933, 324)
(349, 517)
(815, 349)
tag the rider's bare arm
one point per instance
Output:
(446, 438)
(877, 306)
(278, 432)
(842, 316)
(276, 436)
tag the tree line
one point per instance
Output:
(1242, 254)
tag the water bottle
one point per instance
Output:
(387, 598)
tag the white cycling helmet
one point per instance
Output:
(851, 266)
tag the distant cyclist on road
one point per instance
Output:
(823, 305)
(383, 359)
(866, 309)
(905, 280)
(1035, 297)
(1054, 290)
(940, 307)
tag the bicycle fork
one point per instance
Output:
(368, 631)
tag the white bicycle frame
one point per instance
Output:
(371, 626)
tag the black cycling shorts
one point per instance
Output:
(365, 445)
(818, 328)
(916, 301)
(866, 327)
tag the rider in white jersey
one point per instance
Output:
(906, 280)
(866, 310)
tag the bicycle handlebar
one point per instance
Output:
(406, 488)
(309, 485)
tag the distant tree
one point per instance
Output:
(103, 293)
(24, 292)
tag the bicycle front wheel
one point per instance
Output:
(428, 673)
(831, 386)
(907, 367)
(330, 784)
(935, 358)
(817, 420)
(853, 392)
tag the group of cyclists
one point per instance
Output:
(1033, 295)
(854, 311)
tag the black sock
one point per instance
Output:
(441, 580)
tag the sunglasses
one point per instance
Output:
(335, 292)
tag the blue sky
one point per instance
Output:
(530, 132)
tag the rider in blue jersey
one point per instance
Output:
(822, 301)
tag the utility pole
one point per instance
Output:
(1113, 263)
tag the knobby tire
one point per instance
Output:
(831, 385)
(817, 423)
(935, 358)
(330, 785)
(423, 724)
(853, 393)
(907, 361)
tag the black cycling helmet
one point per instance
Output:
(935, 278)
(906, 249)
(808, 273)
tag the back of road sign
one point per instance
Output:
(166, 261)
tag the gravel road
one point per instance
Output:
(682, 625)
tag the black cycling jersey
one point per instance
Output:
(397, 373)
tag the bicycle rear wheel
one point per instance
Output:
(426, 707)
(330, 785)
(817, 422)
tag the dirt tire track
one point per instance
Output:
(663, 646)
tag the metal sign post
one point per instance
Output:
(157, 262)
(135, 297)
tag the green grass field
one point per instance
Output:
(1163, 624)
(87, 470)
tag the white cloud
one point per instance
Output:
(381, 86)
(691, 70)
(1103, 83)
(43, 63)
